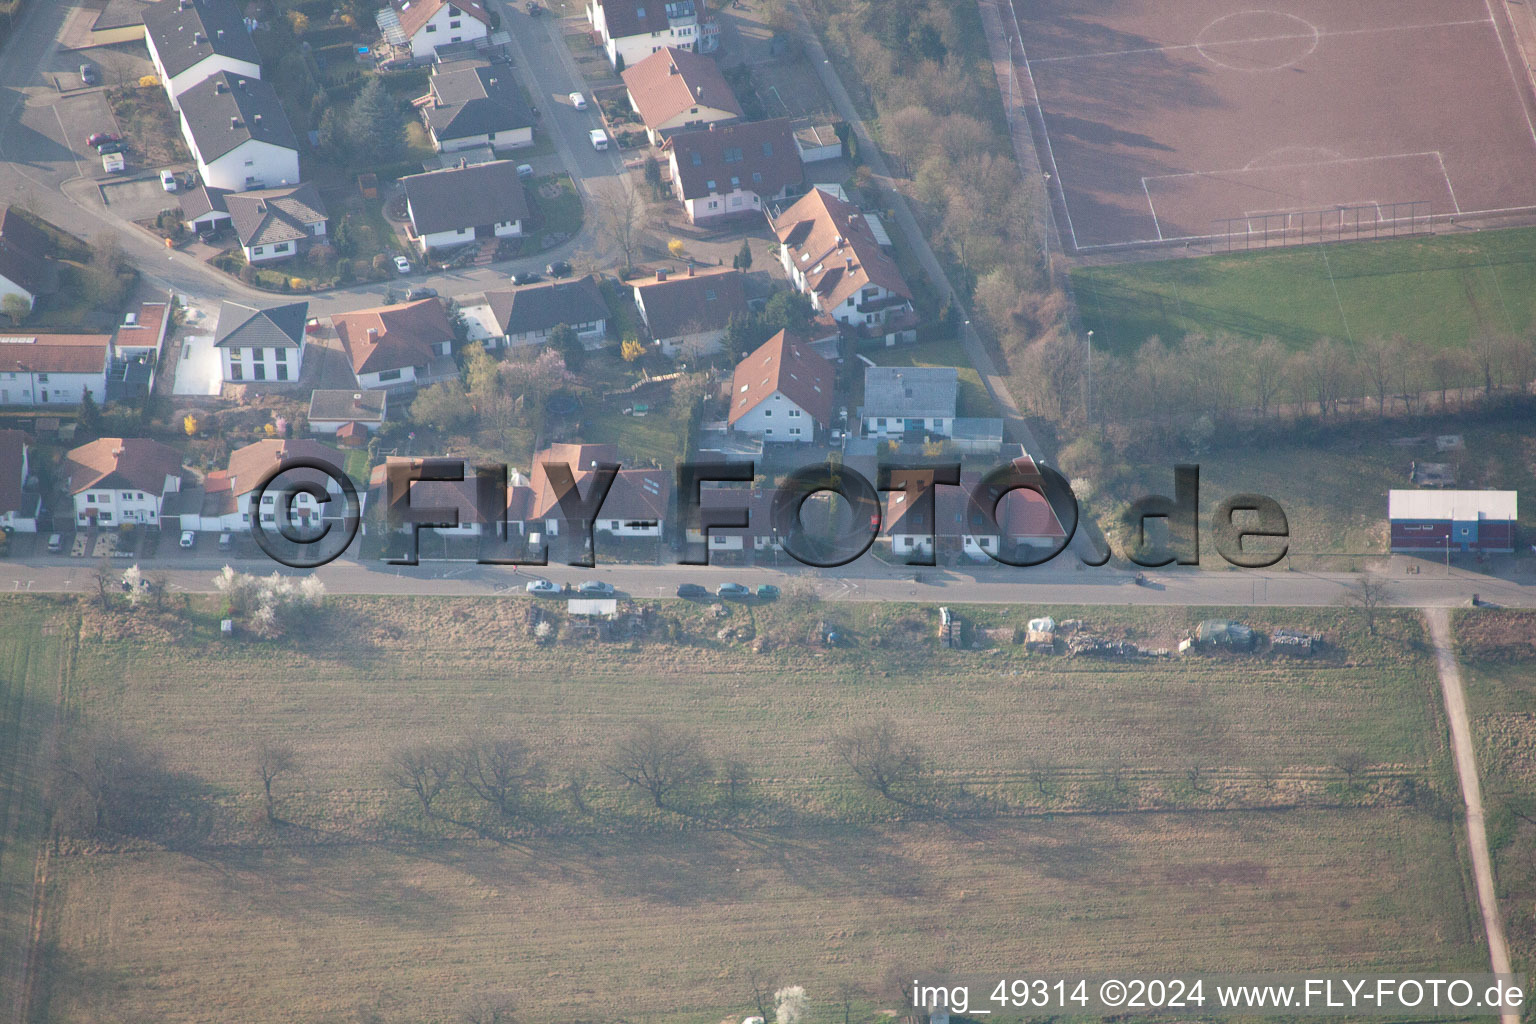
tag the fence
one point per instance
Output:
(1263, 229)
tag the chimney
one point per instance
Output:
(850, 264)
(698, 92)
(690, 270)
(197, 38)
(852, 219)
(234, 124)
(220, 88)
(463, 162)
(373, 335)
(257, 118)
(221, 33)
(673, 69)
(661, 275)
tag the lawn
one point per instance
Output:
(1498, 649)
(1442, 290)
(1272, 862)
(974, 400)
(554, 208)
(149, 125)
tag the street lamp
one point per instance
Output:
(1087, 377)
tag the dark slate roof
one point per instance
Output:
(348, 404)
(640, 17)
(228, 110)
(271, 215)
(464, 197)
(729, 156)
(121, 14)
(242, 326)
(25, 258)
(476, 101)
(186, 32)
(203, 199)
(539, 307)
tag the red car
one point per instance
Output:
(98, 138)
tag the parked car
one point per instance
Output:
(599, 139)
(524, 171)
(55, 543)
(543, 588)
(534, 110)
(226, 542)
(732, 590)
(112, 146)
(692, 591)
(525, 277)
(578, 101)
(168, 181)
(88, 74)
(534, 9)
(97, 138)
(767, 592)
(188, 539)
(559, 268)
(595, 588)
(402, 264)
(416, 294)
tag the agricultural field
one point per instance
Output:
(1498, 651)
(1257, 845)
(1440, 290)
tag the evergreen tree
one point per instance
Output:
(563, 339)
(375, 128)
(88, 417)
(743, 260)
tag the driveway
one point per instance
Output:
(136, 198)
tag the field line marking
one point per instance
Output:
(1153, 208)
(1448, 186)
(1519, 90)
(1304, 163)
(1266, 39)
(1336, 297)
(1465, 754)
(1045, 130)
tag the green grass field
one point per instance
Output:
(1440, 290)
(358, 904)
(973, 393)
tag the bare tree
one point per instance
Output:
(425, 770)
(1487, 352)
(1351, 763)
(1040, 774)
(736, 776)
(1448, 368)
(1375, 357)
(489, 1009)
(619, 215)
(879, 757)
(1518, 357)
(107, 577)
(1368, 594)
(496, 769)
(274, 759)
(661, 760)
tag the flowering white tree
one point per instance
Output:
(790, 1004)
(135, 585)
(273, 602)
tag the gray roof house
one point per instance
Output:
(228, 113)
(242, 326)
(458, 205)
(275, 223)
(525, 316)
(347, 411)
(917, 398)
(183, 35)
(477, 106)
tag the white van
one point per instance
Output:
(599, 138)
(525, 171)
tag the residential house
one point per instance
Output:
(190, 41)
(424, 25)
(20, 499)
(1442, 521)
(398, 347)
(53, 369)
(251, 465)
(277, 223)
(238, 133)
(473, 105)
(782, 391)
(261, 344)
(117, 480)
(459, 205)
(636, 505)
(674, 90)
(1023, 521)
(459, 496)
(901, 400)
(27, 267)
(120, 21)
(733, 170)
(347, 414)
(758, 535)
(689, 312)
(631, 30)
(527, 315)
(830, 253)
(136, 348)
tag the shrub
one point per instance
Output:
(149, 82)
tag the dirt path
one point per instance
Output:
(1471, 790)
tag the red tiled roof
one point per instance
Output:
(53, 353)
(414, 14)
(1021, 512)
(737, 151)
(682, 304)
(402, 335)
(121, 463)
(671, 82)
(784, 363)
(831, 244)
(153, 319)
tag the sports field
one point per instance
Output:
(1196, 814)
(1439, 291)
(1167, 123)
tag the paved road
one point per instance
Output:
(40, 169)
(866, 580)
(1471, 790)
